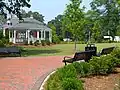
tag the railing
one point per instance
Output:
(21, 40)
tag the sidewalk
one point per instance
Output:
(26, 73)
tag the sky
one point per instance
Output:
(51, 8)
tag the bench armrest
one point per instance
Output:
(66, 57)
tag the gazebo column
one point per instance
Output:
(44, 35)
(50, 36)
(28, 36)
(9, 37)
(41, 34)
(14, 37)
(37, 35)
(4, 32)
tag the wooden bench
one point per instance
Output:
(106, 51)
(7, 51)
(85, 55)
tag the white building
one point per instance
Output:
(27, 30)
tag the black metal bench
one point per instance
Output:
(85, 55)
(106, 51)
(7, 51)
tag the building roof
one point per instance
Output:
(26, 24)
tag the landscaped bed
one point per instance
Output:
(101, 73)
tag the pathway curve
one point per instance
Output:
(26, 73)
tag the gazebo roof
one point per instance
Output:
(27, 24)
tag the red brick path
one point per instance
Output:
(26, 73)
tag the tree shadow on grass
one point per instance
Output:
(39, 52)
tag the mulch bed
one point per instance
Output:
(109, 82)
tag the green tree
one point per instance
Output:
(13, 6)
(73, 20)
(36, 15)
(109, 12)
(55, 38)
(57, 22)
(93, 25)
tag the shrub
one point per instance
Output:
(47, 42)
(72, 84)
(10, 43)
(53, 83)
(103, 64)
(43, 42)
(64, 79)
(5, 41)
(55, 40)
(116, 54)
(83, 68)
(2, 44)
(36, 43)
(67, 72)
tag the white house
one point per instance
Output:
(27, 30)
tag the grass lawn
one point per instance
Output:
(62, 49)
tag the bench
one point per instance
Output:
(85, 55)
(7, 51)
(106, 51)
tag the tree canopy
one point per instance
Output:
(13, 6)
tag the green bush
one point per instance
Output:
(2, 44)
(36, 43)
(10, 43)
(5, 41)
(53, 83)
(103, 64)
(43, 42)
(47, 42)
(67, 71)
(56, 40)
(83, 69)
(72, 84)
(116, 54)
(64, 79)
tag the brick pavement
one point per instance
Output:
(26, 73)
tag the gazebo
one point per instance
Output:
(26, 30)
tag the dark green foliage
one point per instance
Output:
(67, 72)
(13, 6)
(103, 64)
(47, 42)
(2, 44)
(72, 84)
(43, 42)
(64, 79)
(55, 40)
(5, 41)
(83, 68)
(116, 54)
(54, 83)
(36, 43)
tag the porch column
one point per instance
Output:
(44, 35)
(41, 34)
(4, 32)
(28, 36)
(50, 36)
(37, 35)
(14, 37)
(9, 37)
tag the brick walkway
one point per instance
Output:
(26, 73)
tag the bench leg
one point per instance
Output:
(65, 63)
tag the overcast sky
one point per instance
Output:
(51, 8)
